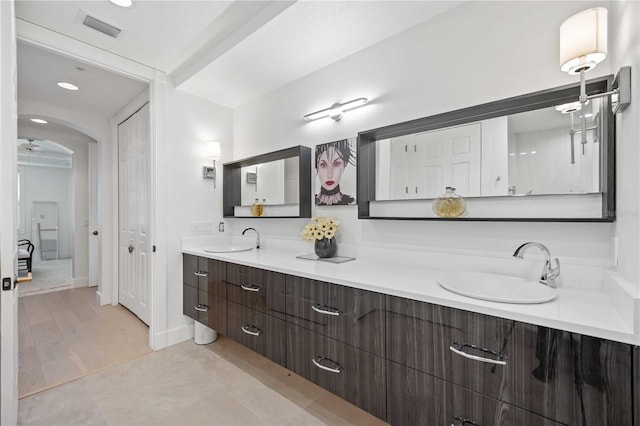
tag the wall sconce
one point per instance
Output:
(583, 45)
(336, 111)
(213, 153)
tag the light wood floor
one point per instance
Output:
(66, 334)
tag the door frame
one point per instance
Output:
(157, 82)
(8, 228)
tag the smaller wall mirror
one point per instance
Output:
(280, 182)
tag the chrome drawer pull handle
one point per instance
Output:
(458, 347)
(246, 329)
(324, 309)
(202, 308)
(250, 287)
(461, 421)
(317, 360)
(201, 273)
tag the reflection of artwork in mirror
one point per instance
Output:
(276, 182)
(528, 153)
(335, 164)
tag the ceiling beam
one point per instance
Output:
(237, 22)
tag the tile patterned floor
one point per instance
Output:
(221, 383)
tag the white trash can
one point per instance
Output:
(204, 335)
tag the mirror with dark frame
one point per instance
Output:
(280, 181)
(520, 159)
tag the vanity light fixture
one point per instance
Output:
(583, 45)
(67, 86)
(213, 153)
(122, 3)
(39, 120)
(336, 111)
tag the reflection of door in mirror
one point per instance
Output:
(423, 164)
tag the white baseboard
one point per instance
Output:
(175, 335)
(80, 282)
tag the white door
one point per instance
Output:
(133, 222)
(8, 224)
(449, 157)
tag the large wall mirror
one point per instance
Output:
(279, 181)
(522, 158)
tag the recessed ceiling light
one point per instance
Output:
(122, 3)
(39, 120)
(67, 86)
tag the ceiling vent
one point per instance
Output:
(101, 26)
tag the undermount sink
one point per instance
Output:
(498, 288)
(227, 249)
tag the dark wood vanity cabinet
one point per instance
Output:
(258, 331)
(416, 363)
(349, 315)
(204, 291)
(636, 385)
(417, 398)
(258, 289)
(565, 377)
(351, 373)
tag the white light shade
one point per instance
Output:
(122, 3)
(67, 86)
(213, 151)
(583, 40)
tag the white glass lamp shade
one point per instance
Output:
(583, 40)
(213, 150)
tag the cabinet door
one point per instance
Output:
(352, 374)
(572, 378)
(216, 275)
(416, 398)
(420, 335)
(189, 268)
(347, 314)
(636, 384)
(564, 376)
(189, 301)
(256, 288)
(258, 331)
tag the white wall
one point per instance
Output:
(48, 184)
(476, 53)
(192, 200)
(625, 50)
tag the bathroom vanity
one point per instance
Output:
(410, 359)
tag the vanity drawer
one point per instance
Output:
(205, 308)
(258, 331)
(347, 314)
(417, 398)
(256, 288)
(352, 374)
(636, 384)
(573, 379)
(204, 274)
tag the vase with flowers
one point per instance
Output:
(322, 232)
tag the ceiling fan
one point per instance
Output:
(29, 146)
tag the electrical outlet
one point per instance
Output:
(201, 228)
(221, 227)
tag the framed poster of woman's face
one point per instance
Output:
(336, 173)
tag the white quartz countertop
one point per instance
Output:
(590, 312)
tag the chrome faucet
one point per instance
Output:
(551, 268)
(257, 236)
